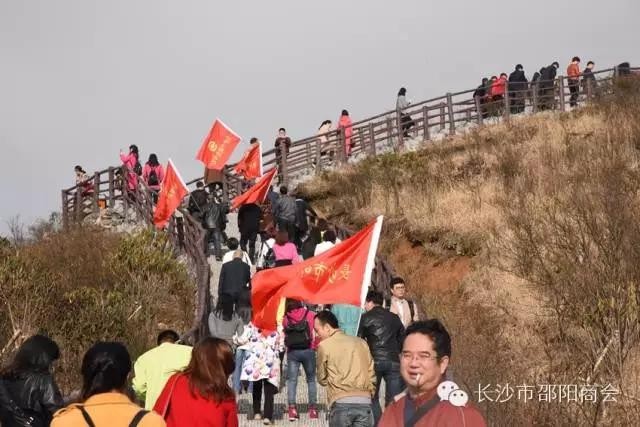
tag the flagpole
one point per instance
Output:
(371, 262)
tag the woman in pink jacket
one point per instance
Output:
(153, 175)
(129, 161)
(285, 252)
(345, 123)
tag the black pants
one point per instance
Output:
(574, 89)
(214, 238)
(269, 392)
(250, 238)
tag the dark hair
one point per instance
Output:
(292, 304)
(519, 67)
(78, 168)
(105, 367)
(199, 184)
(329, 236)
(485, 80)
(402, 91)
(282, 237)
(232, 243)
(168, 335)
(36, 354)
(435, 330)
(325, 317)
(575, 58)
(284, 189)
(395, 281)
(252, 140)
(315, 235)
(323, 225)
(591, 63)
(153, 160)
(208, 371)
(494, 77)
(243, 305)
(282, 129)
(375, 297)
(503, 74)
(345, 113)
(324, 123)
(134, 149)
(224, 307)
(555, 64)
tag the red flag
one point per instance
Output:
(340, 275)
(257, 193)
(250, 166)
(172, 192)
(218, 146)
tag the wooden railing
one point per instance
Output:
(444, 115)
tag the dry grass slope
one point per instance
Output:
(524, 238)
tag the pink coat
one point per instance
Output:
(345, 123)
(146, 171)
(129, 161)
(296, 316)
(286, 251)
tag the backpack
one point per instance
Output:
(412, 308)
(153, 177)
(138, 168)
(297, 335)
(134, 422)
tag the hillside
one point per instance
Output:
(523, 237)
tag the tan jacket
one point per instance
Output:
(405, 313)
(345, 367)
(106, 410)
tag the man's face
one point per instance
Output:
(282, 133)
(419, 366)
(323, 331)
(368, 305)
(399, 290)
(590, 66)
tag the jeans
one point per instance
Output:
(306, 358)
(390, 372)
(350, 415)
(269, 392)
(235, 378)
(214, 235)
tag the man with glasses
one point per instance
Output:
(429, 400)
(406, 309)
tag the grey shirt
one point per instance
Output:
(402, 102)
(225, 329)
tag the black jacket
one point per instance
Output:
(216, 215)
(547, 75)
(384, 332)
(198, 202)
(286, 209)
(302, 207)
(249, 218)
(32, 396)
(518, 81)
(235, 275)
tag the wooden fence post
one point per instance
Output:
(479, 110)
(452, 123)
(96, 192)
(561, 87)
(372, 140)
(507, 103)
(442, 119)
(318, 156)
(284, 175)
(112, 188)
(342, 146)
(79, 207)
(534, 90)
(65, 210)
(425, 122)
(389, 131)
(589, 89)
(225, 186)
(309, 157)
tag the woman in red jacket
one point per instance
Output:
(200, 395)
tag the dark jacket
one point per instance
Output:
(31, 395)
(302, 207)
(198, 202)
(216, 215)
(249, 216)
(547, 76)
(235, 275)
(286, 208)
(589, 78)
(518, 81)
(383, 331)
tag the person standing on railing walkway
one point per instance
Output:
(589, 79)
(282, 146)
(303, 210)
(325, 147)
(547, 82)
(285, 212)
(215, 221)
(518, 85)
(573, 77)
(481, 93)
(198, 202)
(405, 119)
(345, 126)
(83, 182)
(153, 175)
(132, 164)
(249, 216)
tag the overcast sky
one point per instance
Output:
(80, 79)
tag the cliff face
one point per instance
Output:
(523, 237)
(88, 284)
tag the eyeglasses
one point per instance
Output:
(420, 357)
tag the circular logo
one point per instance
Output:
(213, 146)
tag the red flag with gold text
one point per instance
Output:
(340, 275)
(250, 166)
(218, 146)
(172, 192)
(257, 193)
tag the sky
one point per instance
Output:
(80, 79)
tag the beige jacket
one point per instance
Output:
(345, 367)
(401, 308)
